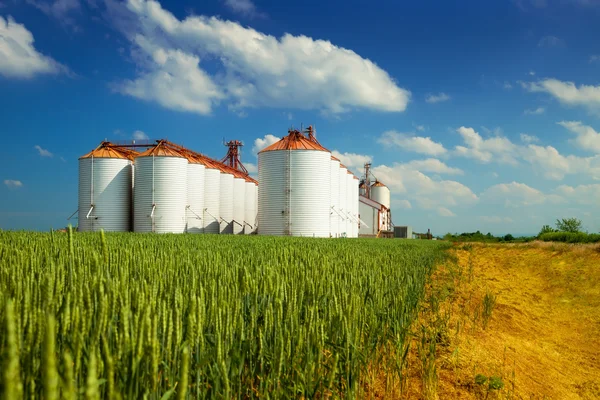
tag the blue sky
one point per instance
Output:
(477, 115)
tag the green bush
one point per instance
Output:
(570, 237)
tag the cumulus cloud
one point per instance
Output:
(568, 93)
(13, 184)
(437, 98)
(444, 212)
(433, 165)
(251, 69)
(43, 152)
(551, 41)
(410, 142)
(582, 194)
(139, 135)
(537, 111)
(265, 141)
(525, 138)
(353, 161)
(513, 194)
(499, 149)
(585, 136)
(18, 57)
(244, 7)
(548, 162)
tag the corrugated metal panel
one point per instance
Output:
(226, 203)
(250, 208)
(381, 194)
(343, 190)
(195, 193)
(334, 218)
(294, 193)
(355, 207)
(160, 194)
(212, 192)
(105, 183)
(349, 204)
(239, 205)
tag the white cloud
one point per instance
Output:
(498, 149)
(426, 192)
(266, 141)
(410, 142)
(444, 212)
(567, 93)
(252, 69)
(420, 128)
(495, 219)
(244, 7)
(401, 203)
(251, 168)
(139, 135)
(13, 183)
(18, 57)
(582, 194)
(507, 85)
(586, 137)
(548, 162)
(289, 116)
(63, 159)
(433, 165)
(532, 73)
(437, 98)
(537, 111)
(594, 58)
(43, 152)
(59, 9)
(551, 41)
(352, 161)
(525, 138)
(516, 194)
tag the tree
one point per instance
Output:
(546, 229)
(568, 225)
(509, 238)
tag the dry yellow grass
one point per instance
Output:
(543, 338)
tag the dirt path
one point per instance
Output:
(542, 340)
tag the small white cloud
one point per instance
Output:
(507, 85)
(410, 142)
(352, 161)
(58, 9)
(420, 128)
(551, 41)
(517, 194)
(13, 184)
(43, 152)
(525, 138)
(537, 111)
(586, 137)
(444, 212)
(244, 7)
(498, 149)
(289, 116)
(266, 141)
(433, 165)
(582, 194)
(139, 135)
(18, 57)
(437, 98)
(495, 175)
(568, 93)
(532, 73)
(63, 159)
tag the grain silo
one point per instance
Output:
(350, 203)
(195, 195)
(239, 203)
(334, 212)
(226, 202)
(212, 197)
(380, 193)
(294, 190)
(105, 189)
(250, 206)
(343, 190)
(160, 192)
(355, 207)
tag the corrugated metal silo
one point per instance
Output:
(250, 207)
(294, 188)
(355, 209)
(343, 190)
(226, 203)
(195, 193)
(380, 193)
(334, 212)
(239, 204)
(350, 205)
(362, 189)
(160, 192)
(105, 189)
(212, 197)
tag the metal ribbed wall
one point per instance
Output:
(239, 205)
(160, 194)
(294, 193)
(349, 204)
(195, 193)
(226, 203)
(250, 208)
(334, 217)
(343, 183)
(212, 191)
(381, 194)
(105, 183)
(355, 208)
